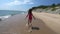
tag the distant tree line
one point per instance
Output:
(49, 6)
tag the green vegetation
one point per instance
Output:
(53, 6)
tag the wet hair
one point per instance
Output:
(30, 11)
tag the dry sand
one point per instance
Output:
(17, 24)
(51, 20)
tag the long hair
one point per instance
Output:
(30, 11)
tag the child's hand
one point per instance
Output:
(25, 17)
(34, 18)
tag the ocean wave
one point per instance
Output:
(23, 13)
(7, 16)
(4, 17)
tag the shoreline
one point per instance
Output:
(17, 24)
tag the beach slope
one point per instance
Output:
(17, 24)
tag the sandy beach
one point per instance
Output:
(17, 24)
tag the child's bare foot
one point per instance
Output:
(30, 30)
(27, 24)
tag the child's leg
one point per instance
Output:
(29, 25)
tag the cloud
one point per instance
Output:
(11, 5)
(17, 2)
(28, 2)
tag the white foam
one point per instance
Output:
(5, 17)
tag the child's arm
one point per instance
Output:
(33, 16)
(26, 16)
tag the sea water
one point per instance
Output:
(7, 13)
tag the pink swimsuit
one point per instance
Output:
(30, 16)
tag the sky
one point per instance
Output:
(24, 5)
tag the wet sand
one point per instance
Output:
(17, 25)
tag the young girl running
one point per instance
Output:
(30, 16)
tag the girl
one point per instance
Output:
(30, 15)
